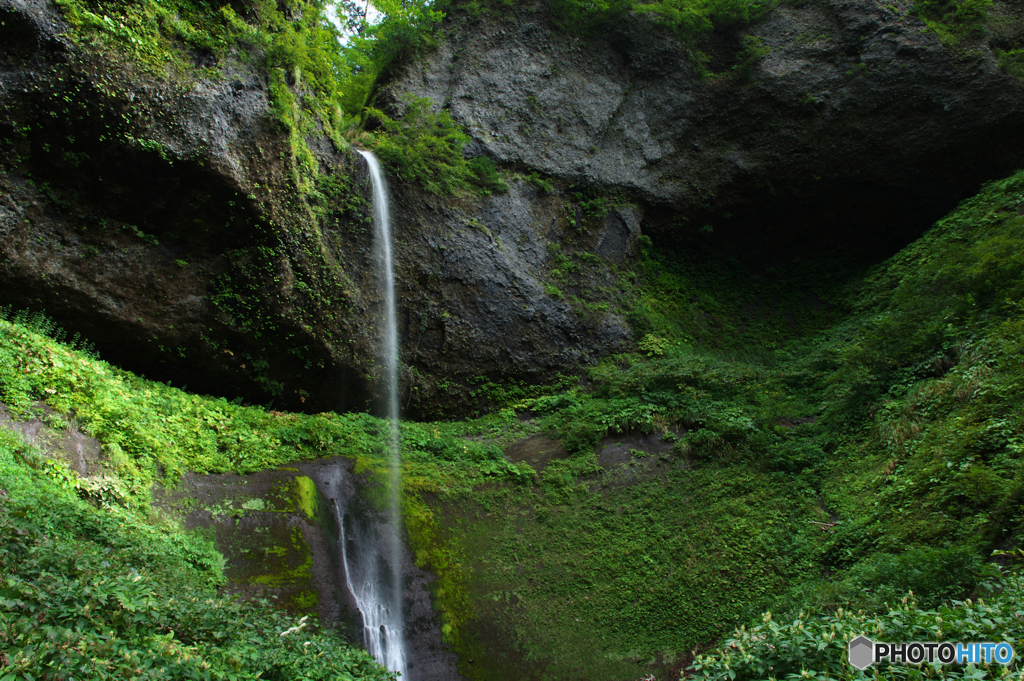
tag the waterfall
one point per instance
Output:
(369, 579)
(378, 592)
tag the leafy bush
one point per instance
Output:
(953, 20)
(1011, 61)
(815, 645)
(426, 147)
(38, 322)
(933, 574)
(752, 52)
(485, 175)
(654, 346)
(793, 455)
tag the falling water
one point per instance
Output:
(367, 578)
(380, 602)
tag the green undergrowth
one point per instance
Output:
(99, 593)
(827, 467)
(607, 567)
(151, 432)
(815, 646)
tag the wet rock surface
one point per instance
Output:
(482, 294)
(536, 450)
(279, 532)
(59, 437)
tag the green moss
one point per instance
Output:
(305, 493)
(293, 564)
(433, 549)
(580, 580)
(306, 601)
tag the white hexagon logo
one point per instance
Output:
(861, 652)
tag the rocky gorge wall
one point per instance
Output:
(161, 218)
(166, 218)
(856, 129)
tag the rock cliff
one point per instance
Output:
(160, 217)
(161, 214)
(856, 130)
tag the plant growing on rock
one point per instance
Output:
(427, 147)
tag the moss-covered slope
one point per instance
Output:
(611, 530)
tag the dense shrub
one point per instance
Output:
(688, 18)
(814, 645)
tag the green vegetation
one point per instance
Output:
(99, 593)
(688, 18)
(765, 448)
(152, 432)
(426, 147)
(815, 646)
(753, 51)
(953, 20)
(1011, 61)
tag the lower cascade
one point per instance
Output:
(368, 577)
(373, 574)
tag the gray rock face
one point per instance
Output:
(161, 219)
(481, 289)
(857, 126)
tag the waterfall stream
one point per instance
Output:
(374, 576)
